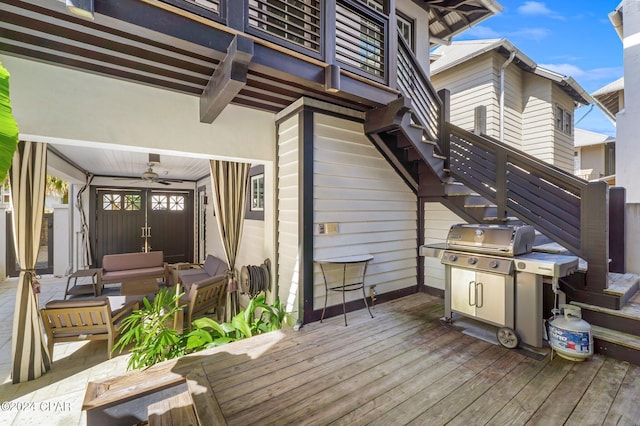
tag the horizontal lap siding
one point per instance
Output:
(438, 220)
(471, 84)
(288, 212)
(376, 213)
(538, 118)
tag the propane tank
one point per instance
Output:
(569, 335)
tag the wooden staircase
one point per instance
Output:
(485, 181)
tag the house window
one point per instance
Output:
(159, 202)
(176, 203)
(132, 202)
(375, 5)
(564, 120)
(254, 206)
(405, 26)
(111, 202)
(257, 193)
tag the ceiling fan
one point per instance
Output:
(150, 176)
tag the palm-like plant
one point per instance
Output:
(8, 126)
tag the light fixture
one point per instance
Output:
(332, 78)
(82, 8)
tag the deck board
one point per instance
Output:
(402, 367)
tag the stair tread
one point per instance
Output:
(631, 310)
(617, 337)
(620, 284)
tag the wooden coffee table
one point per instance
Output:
(140, 287)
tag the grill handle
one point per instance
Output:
(479, 295)
(472, 293)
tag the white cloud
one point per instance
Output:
(533, 8)
(602, 75)
(531, 33)
(536, 8)
(480, 32)
(565, 69)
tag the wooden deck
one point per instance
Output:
(402, 367)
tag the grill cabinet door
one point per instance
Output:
(463, 291)
(492, 301)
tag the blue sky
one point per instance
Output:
(571, 37)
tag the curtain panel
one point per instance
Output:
(30, 356)
(229, 183)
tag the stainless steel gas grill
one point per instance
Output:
(492, 275)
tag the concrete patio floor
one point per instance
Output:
(56, 397)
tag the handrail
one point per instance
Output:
(562, 206)
(414, 83)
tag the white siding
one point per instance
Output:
(471, 84)
(563, 144)
(288, 213)
(512, 103)
(538, 119)
(375, 211)
(438, 220)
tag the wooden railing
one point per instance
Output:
(353, 34)
(414, 84)
(360, 39)
(564, 207)
(293, 21)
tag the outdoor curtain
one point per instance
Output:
(229, 183)
(27, 175)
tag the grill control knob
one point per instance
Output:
(453, 257)
(473, 261)
(493, 264)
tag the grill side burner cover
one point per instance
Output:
(502, 240)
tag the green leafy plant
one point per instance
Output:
(150, 330)
(8, 126)
(259, 317)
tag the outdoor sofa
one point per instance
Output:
(117, 268)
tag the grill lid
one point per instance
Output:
(501, 240)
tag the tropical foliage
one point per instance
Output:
(152, 332)
(151, 329)
(8, 126)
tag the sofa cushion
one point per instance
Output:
(214, 266)
(128, 274)
(126, 261)
(75, 303)
(199, 284)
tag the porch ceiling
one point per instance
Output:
(131, 164)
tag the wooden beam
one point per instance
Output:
(227, 80)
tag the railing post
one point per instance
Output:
(617, 229)
(328, 29)
(594, 234)
(391, 55)
(443, 132)
(501, 184)
(236, 14)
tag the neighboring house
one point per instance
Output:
(610, 98)
(332, 99)
(525, 106)
(595, 156)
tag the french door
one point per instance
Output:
(129, 220)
